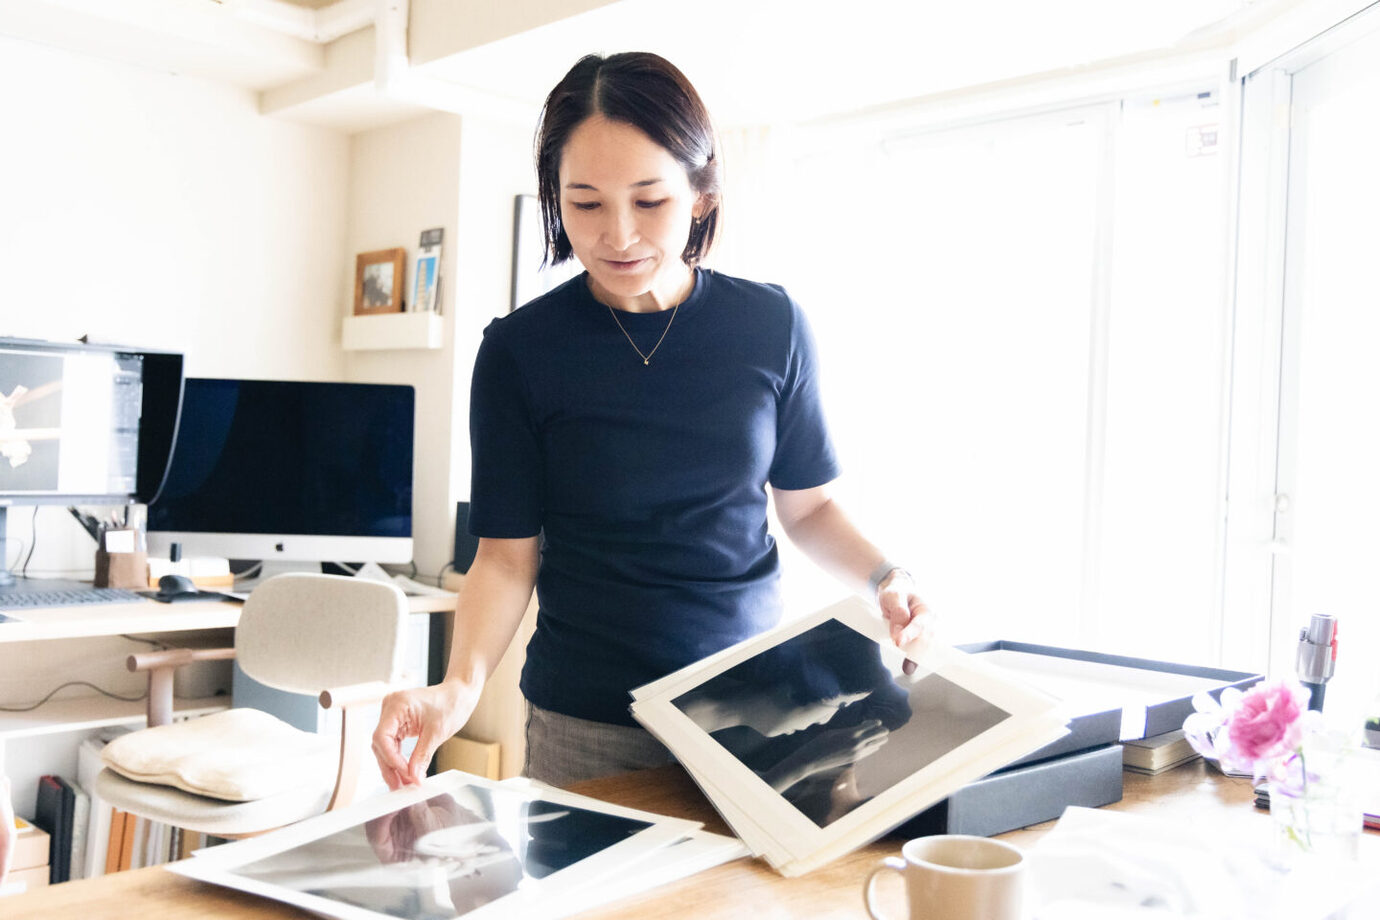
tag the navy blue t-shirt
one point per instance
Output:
(647, 483)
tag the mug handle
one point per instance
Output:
(892, 863)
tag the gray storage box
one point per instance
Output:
(1021, 796)
(1105, 726)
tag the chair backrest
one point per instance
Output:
(305, 633)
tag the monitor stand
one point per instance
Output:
(19, 584)
(270, 568)
(6, 578)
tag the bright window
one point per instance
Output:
(1021, 326)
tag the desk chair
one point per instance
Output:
(241, 772)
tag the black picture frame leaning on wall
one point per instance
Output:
(530, 279)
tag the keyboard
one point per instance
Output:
(19, 600)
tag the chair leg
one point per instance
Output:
(354, 739)
(160, 707)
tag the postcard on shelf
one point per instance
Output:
(455, 846)
(811, 740)
(427, 273)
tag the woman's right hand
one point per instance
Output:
(432, 715)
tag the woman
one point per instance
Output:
(624, 430)
(9, 834)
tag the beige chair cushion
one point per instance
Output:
(239, 755)
(207, 815)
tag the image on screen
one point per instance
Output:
(69, 424)
(445, 856)
(824, 721)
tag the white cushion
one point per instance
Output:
(239, 755)
(207, 815)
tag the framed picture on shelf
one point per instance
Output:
(379, 281)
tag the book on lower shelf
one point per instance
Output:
(53, 812)
(1158, 753)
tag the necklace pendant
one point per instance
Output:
(646, 361)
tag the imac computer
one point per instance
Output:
(80, 424)
(289, 473)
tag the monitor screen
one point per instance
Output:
(81, 425)
(84, 424)
(69, 424)
(290, 471)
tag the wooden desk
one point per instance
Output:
(745, 888)
(88, 620)
(47, 646)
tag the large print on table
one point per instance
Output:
(458, 845)
(824, 721)
(816, 736)
(444, 856)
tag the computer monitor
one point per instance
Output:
(289, 473)
(82, 424)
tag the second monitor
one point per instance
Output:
(289, 472)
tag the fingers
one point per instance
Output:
(911, 624)
(394, 728)
(421, 755)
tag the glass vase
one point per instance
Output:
(1320, 817)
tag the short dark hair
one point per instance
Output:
(648, 92)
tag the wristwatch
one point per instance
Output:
(882, 572)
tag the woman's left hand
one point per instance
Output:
(910, 621)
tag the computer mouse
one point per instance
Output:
(173, 585)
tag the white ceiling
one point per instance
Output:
(753, 60)
(792, 60)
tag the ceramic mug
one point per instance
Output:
(956, 877)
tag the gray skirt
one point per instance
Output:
(562, 750)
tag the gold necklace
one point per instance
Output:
(647, 358)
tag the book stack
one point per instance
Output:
(1158, 752)
(812, 739)
(86, 837)
(459, 845)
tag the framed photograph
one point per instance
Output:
(379, 281)
(812, 740)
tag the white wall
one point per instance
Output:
(403, 180)
(164, 211)
(459, 173)
(496, 167)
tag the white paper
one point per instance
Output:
(119, 541)
(1108, 864)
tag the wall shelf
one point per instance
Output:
(82, 713)
(380, 331)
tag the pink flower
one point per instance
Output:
(1267, 725)
(1260, 731)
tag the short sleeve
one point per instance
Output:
(805, 455)
(505, 452)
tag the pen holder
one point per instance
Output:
(127, 567)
